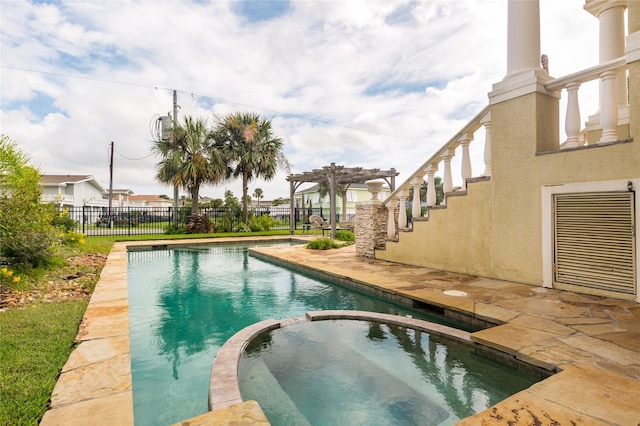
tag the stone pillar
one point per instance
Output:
(523, 38)
(370, 228)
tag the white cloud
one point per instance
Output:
(409, 74)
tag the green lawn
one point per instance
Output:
(35, 343)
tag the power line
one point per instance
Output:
(102, 80)
(132, 159)
(218, 100)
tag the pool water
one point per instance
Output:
(349, 372)
(185, 303)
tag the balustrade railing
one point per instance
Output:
(609, 73)
(460, 142)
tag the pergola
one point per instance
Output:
(335, 175)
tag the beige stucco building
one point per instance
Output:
(546, 211)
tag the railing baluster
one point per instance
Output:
(486, 122)
(402, 209)
(572, 120)
(609, 107)
(465, 170)
(416, 204)
(447, 182)
(432, 199)
(391, 222)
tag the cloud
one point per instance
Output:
(375, 84)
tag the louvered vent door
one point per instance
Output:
(595, 240)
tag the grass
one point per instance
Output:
(36, 343)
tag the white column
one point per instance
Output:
(465, 169)
(611, 20)
(416, 205)
(391, 222)
(447, 182)
(431, 185)
(402, 209)
(572, 120)
(486, 122)
(608, 107)
(523, 38)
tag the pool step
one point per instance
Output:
(280, 409)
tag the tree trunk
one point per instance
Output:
(245, 193)
(194, 199)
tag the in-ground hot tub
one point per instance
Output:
(353, 367)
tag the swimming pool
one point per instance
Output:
(186, 302)
(366, 372)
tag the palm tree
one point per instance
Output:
(251, 149)
(257, 194)
(190, 158)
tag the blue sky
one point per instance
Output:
(377, 84)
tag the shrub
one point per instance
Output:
(323, 243)
(171, 229)
(344, 235)
(26, 233)
(70, 238)
(62, 219)
(262, 223)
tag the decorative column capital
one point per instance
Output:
(447, 155)
(597, 7)
(465, 138)
(431, 169)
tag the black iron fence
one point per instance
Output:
(100, 221)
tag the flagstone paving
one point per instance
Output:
(593, 343)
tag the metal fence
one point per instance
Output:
(100, 221)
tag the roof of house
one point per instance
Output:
(148, 198)
(121, 191)
(61, 180)
(58, 179)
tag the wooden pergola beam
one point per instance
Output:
(336, 175)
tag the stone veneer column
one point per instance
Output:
(370, 227)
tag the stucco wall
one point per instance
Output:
(496, 230)
(453, 239)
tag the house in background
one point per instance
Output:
(72, 190)
(120, 197)
(149, 201)
(550, 213)
(345, 205)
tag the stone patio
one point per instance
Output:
(594, 342)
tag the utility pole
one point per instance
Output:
(175, 186)
(110, 185)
